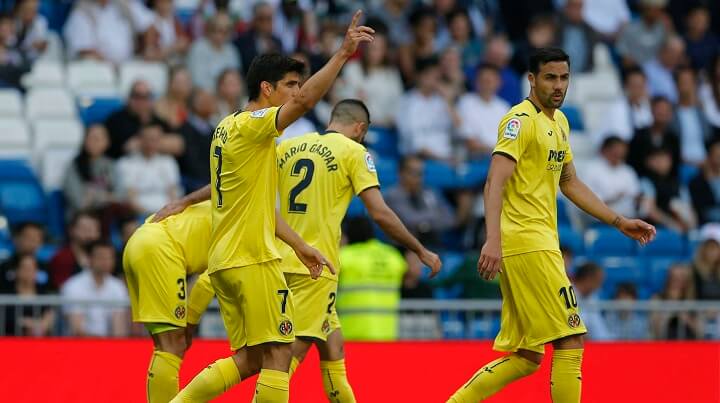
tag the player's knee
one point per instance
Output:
(576, 341)
(276, 355)
(174, 342)
(531, 356)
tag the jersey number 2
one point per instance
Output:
(217, 153)
(297, 168)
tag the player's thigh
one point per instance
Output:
(156, 276)
(231, 299)
(333, 348)
(268, 304)
(315, 316)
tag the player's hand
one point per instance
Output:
(489, 264)
(432, 261)
(355, 35)
(638, 230)
(172, 208)
(313, 260)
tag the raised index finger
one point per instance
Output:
(355, 19)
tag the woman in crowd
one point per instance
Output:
(710, 94)
(173, 106)
(27, 320)
(230, 93)
(165, 40)
(675, 326)
(706, 265)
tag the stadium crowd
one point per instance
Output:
(437, 79)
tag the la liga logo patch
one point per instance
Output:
(512, 129)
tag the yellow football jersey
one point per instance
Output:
(319, 174)
(243, 171)
(191, 232)
(541, 147)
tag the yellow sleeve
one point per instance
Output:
(260, 124)
(200, 296)
(565, 127)
(514, 134)
(362, 172)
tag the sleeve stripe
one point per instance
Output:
(504, 154)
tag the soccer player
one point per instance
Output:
(244, 263)
(319, 173)
(532, 157)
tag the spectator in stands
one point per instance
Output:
(463, 38)
(394, 16)
(498, 54)
(327, 44)
(706, 264)
(693, 128)
(705, 187)
(710, 94)
(577, 37)
(422, 210)
(540, 33)
(12, 62)
(642, 39)
(148, 180)
(631, 112)
(660, 69)
(28, 237)
(481, 111)
(31, 33)
(230, 94)
(587, 281)
(74, 257)
(628, 324)
(124, 124)
(664, 201)
(173, 107)
(212, 54)
(424, 118)
(97, 284)
(294, 24)
(106, 29)
(27, 320)
(259, 39)
(674, 326)
(612, 180)
(375, 81)
(607, 17)
(197, 134)
(517, 15)
(472, 285)
(165, 40)
(661, 134)
(89, 180)
(452, 76)
(422, 46)
(702, 44)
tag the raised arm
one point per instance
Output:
(501, 168)
(578, 193)
(319, 84)
(179, 205)
(393, 227)
(309, 256)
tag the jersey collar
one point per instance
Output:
(329, 131)
(538, 110)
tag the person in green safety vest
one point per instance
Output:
(369, 288)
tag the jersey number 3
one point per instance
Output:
(297, 168)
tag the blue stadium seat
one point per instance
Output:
(387, 170)
(483, 328)
(383, 141)
(571, 239)
(451, 263)
(687, 173)
(607, 241)
(473, 174)
(574, 117)
(96, 110)
(6, 249)
(45, 253)
(452, 325)
(21, 196)
(666, 243)
(440, 175)
(563, 217)
(658, 269)
(356, 208)
(56, 213)
(621, 270)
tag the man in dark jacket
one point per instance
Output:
(705, 187)
(197, 134)
(259, 39)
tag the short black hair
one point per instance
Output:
(487, 66)
(426, 63)
(683, 69)
(358, 229)
(101, 243)
(80, 214)
(404, 161)
(18, 229)
(658, 99)
(611, 141)
(627, 288)
(586, 270)
(420, 13)
(546, 55)
(350, 111)
(271, 68)
(631, 71)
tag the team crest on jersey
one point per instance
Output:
(258, 113)
(326, 326)
(180, 312)
(512, 129)
(286, 327)
(370, 162)
(574, 320)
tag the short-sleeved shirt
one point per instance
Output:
(319, 175)
(243, 177)
(540, 147)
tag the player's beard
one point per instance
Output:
(549, 102)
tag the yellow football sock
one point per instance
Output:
(335, 382)
(211, 382)
(162, 377)
(293, 366)
(272, 387)
(566, 378)
(493, 377)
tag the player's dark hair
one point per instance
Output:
(350, 111)
(586, 270)
(626, 288)
(271, 68)
(102, 243)
(611, 141)
(21, 227)
(543, 56)
(358, 229)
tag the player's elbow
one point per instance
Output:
(304, 101)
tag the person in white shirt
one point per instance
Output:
(425, 119)
(106, 29)
(148, 180)
(710, 93)
(660, 69)
(481, 112)
(32, 28)
(211, 55)
(587, 281)
(693, 128)
(607, 17)
(629, 113)
(612, 180)
(97, 284)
